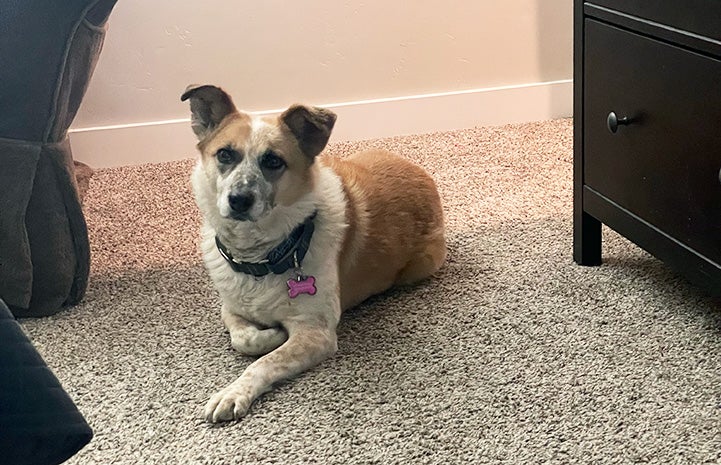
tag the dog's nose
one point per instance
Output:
(241, 203)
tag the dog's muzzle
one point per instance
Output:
(241, 203)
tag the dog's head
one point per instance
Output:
(252, 163)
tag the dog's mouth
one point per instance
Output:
(240, 216)
(251, 216)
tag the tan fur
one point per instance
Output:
(396, 232)
(236, 128)
(298, 179)
(378, 223)
(233, 128)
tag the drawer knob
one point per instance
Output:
(613, 122)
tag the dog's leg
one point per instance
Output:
(307, 345)
(247, 338)
(425, 263)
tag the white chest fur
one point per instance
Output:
(265, 300)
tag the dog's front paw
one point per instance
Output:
(253, 341)
(232, 403)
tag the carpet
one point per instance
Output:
(512, 353)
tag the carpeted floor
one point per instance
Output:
(512, 354)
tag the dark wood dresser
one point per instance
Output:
(647, 131)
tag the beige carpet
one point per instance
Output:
(512, 354)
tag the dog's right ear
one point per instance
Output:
(310, 125)
(209, 105)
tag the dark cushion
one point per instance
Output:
(39, 423)
(47, 54)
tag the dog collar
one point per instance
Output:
(287, 255)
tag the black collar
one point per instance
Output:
(288, 255)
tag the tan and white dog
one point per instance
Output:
(291, 239)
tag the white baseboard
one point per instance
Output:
(159, 141)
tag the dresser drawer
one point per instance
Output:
(696, 16)
(664, 166)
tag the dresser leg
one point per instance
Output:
(587, 240)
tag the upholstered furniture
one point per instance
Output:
(39, 423)
(48, 50)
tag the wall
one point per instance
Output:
(424, 64)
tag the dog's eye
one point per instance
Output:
(225, 156)
(271, 161)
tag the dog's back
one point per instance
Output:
(396, 231)
(278, 220)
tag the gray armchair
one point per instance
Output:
(48, 50)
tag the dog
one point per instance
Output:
(291, 238)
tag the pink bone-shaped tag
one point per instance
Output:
(304, 286)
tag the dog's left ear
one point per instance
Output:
(209, 105)
(311, 126)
